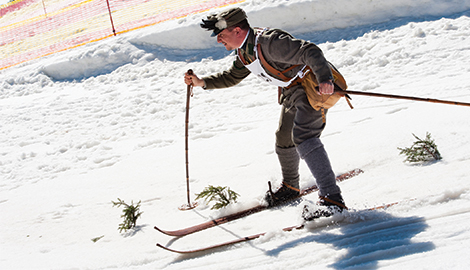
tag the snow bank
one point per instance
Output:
(168, 39)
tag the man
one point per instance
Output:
(280, 59)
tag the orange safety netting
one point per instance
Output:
(34, 28)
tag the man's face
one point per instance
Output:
(230, 38)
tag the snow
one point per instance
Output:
(84, 127)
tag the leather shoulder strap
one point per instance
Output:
(270, 68)
(240, 56)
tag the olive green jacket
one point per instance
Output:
(281, 51)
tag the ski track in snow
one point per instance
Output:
(83, 127)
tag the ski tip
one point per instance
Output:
(165, 248)
(355, 171)
(160, 230)
(177, 233)
(178, 251)
(358, 171)
(349, 174)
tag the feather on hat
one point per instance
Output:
(218, 22)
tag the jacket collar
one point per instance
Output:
(247, 48)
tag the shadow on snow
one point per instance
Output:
(383, 237)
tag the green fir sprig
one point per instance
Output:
(131, 214)
(421, 150)
(96, 239)
(223, 196)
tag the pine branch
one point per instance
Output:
(131, 214)
(421, 150)
(223, 196)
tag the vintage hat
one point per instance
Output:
(218, 22)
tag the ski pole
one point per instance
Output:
(404, 97)
(189, 94)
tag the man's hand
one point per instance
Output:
(326, 88)
(193, 79)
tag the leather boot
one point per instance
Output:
(289, 160)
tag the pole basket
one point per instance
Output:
(186, 206)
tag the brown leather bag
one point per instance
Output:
(310, 84)
(318, 101)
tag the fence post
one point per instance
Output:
(44, 6)
(111, 18)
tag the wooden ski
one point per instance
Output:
(244, 213)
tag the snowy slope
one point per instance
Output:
(84, 127)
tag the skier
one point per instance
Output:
(277, 57)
